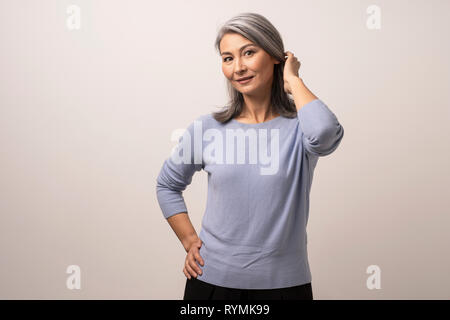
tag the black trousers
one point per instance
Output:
(199, 290)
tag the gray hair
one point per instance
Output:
(260, 31)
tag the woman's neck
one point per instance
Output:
(257, 110)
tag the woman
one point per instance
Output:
(253, 242)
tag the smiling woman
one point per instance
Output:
(241, 64)
(253, 241)
(250, 47)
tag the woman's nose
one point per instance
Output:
(239, 66)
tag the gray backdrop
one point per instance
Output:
(87, 116)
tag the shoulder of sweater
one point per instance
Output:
(207, 121)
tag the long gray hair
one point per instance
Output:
(260, 31)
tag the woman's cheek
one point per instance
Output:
(225, 71)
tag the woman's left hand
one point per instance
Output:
(291, 67)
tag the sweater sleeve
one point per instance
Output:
(176, 173)
(322, 132)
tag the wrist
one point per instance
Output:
(187, 242)
(294, 80)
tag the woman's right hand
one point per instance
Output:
(191, 268)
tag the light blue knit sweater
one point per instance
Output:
(259, 179)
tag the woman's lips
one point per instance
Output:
(245, 81)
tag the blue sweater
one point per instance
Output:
(259, 180)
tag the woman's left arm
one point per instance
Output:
(301, 94)
(293, 84)
(322, 132)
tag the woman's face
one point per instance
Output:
(242, 58)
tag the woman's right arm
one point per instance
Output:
(183, 228)
(176, 174)
(174, 177)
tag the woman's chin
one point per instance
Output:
(245, 89)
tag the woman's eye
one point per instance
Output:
(225, 60)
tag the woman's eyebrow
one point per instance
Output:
(242, 48)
